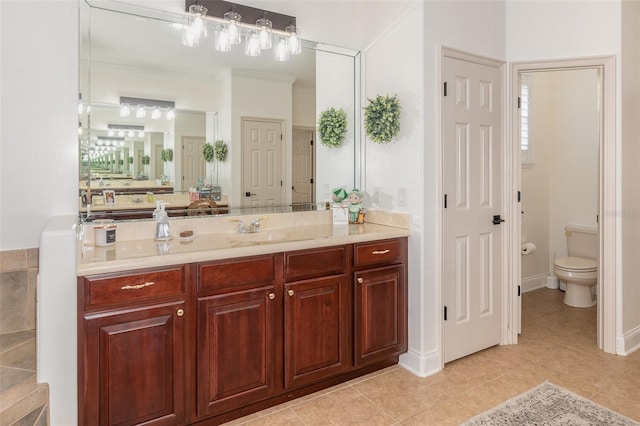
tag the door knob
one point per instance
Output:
(497, 219)
(248, 194)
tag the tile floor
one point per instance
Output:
(558, 344)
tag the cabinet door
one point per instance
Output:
(317, 329)
(380, 314)
(134, 367)
(237, 355)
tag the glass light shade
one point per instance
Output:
(156, 114)
(294, 42)
(131, 134)
(140, 133)
(264, 32)
(140, 112)
(170, 114)
(121, 133)
(196, 27)
(124, 110)
(232, 25)
(223, 44)
(252, 44)
(281, 50)
(111, 133)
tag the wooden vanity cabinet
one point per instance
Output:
(317, 315)
(380, 300)
(131, 349)
(239, 333)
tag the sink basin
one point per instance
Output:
(263, 237)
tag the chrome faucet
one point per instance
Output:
(250, 228)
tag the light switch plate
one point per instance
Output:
(402, 197)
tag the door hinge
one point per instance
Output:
(280, 182)
(280, 136)
(519, 102)
(445, 313)
(311, 180)
(519, 195)
(445, 89)
(518, 290)
(311, 142)
(445, 201)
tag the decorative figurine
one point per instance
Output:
(338, 195)
(355, 204)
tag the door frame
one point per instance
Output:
(607, 198)
(313, 158)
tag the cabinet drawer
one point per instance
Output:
(315, 263)
(379, 252)
(110, 290)
(236, 273)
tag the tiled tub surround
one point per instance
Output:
(21, 398)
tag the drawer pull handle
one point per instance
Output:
(360, 280)
(272, 296)
(138, 286)
(381, 251)
(290, 292)
(180, 312)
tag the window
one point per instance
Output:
(525, 102)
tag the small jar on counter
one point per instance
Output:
(105, 233)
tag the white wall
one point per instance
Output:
(562, 186)
(39, 135)
(304, 107)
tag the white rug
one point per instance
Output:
(548, 404)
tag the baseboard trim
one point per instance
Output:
(422, 365)
(629, 342)
(534, 282)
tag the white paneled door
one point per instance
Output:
(262, 171)
(193, 164)
(472, 227)
(302, 167)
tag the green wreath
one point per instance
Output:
(166, 154)
(382, 118)
(332, 126)
(146, 160)
(220, 150)
(208, 152)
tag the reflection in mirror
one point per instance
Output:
(263, 111)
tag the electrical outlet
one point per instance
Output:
(326, 191)
(402, 197)
(376, 195)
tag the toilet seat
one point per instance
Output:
(576, 264)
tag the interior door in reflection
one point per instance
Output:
(262, 165)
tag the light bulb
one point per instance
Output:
(264, 32)
(252, 46)
(140, 112)
(294, 42)
(281, 50)
(124, 110)
(140, 133)
(223, 44)
(170, 114)
(131, 134)
(155, 114)
(232, 22)
(121, 133)
(111, 133)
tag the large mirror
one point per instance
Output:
(180, 98)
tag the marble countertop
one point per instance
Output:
(211, 242)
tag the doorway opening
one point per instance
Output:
(603, 154)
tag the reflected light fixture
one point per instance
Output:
(233, 27)
(196, 27)
(156, 106)
(252, 44)
(281, 50)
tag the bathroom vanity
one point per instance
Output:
(224, 326)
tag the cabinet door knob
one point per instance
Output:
(180, 312)
(360, 280)
(272, 296)
(290, 292)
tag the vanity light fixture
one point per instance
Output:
(155, 105)
(270, 28)
(129, 130)
(196, 27)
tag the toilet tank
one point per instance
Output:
(582, 241)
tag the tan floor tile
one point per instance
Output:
(282, 417)
(448, 412)
(342, 407)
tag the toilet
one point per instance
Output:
(579, 271)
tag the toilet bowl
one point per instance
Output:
(580, 276)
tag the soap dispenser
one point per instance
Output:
(162, 225)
